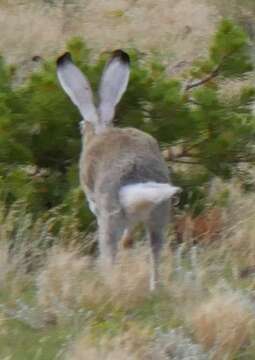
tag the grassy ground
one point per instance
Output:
(65, 308)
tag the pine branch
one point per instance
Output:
(186, 162)
(206, 79)
(215, 72)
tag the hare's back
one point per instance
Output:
(122, 156)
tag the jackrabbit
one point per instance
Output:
(122, 171)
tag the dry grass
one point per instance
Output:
(131, 344)
(29, 29)
(231, 90)
(60, 283)
(223, 324)
(69, 281)
(20, 248)
(137, 343)
(114, 315)
(35, 28)
(3, 324)
(13, 273)
(237, 236)
(4, 265)
(175, 344)
(128, 281)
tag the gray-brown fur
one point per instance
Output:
(112, 158)
(138, 160)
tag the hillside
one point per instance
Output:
(178, 30)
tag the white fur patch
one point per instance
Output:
(143, 196)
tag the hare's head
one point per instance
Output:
(113, 84)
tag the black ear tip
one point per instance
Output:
(122, 55)
(66, 57)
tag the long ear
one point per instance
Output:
(77, 87)
(113, 84)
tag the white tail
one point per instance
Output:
(142, 197)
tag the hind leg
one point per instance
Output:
(156, 229)
(111, 227)
(127, 239)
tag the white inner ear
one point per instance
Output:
(78, 89)
(113, 84)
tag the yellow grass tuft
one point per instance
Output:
(237, 237)
(128, 281)
(60, 283)
(13, 276)
(223, 324)
(69, 281)
(131, 344)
